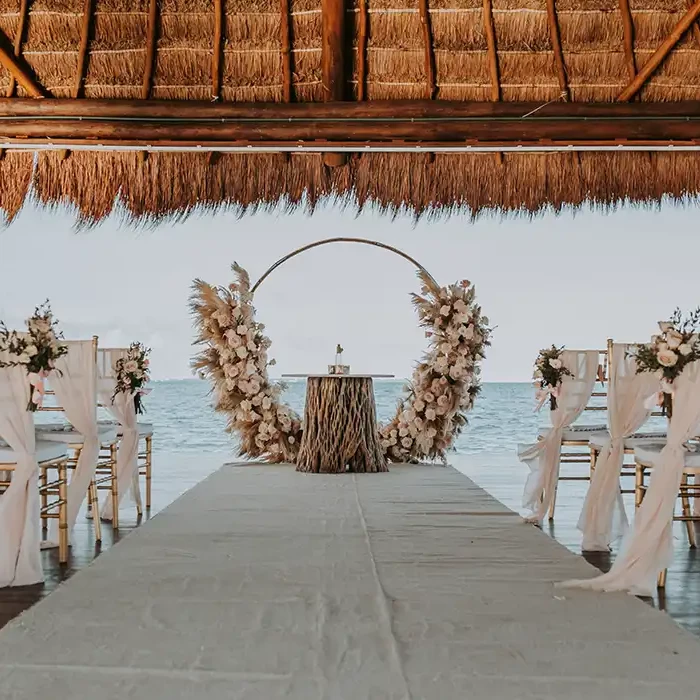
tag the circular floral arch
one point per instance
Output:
(431, 412)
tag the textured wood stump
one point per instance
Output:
(340, 427)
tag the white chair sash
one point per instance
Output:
(75, 384)
(603, 517)
(123, 410)
(20, 509)
(543, 457)
(648, 548)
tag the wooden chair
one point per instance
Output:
(646, 457)
(576, 437)
(106, 467)
(52, 458)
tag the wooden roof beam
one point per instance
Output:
(20, 72)
(492, 50)
(554, 35)
(19, 37)
(151, 42)
(218, 50)
(333, 60)
(628, 33)
(362, 36)
(661, 53)
(429, 51)
(696, 26)
(286, 46)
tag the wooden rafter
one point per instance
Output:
(83, 50)
(19, 36)
(286, 44)
(553, 22)
(492, 51)
(333, 61)
(628, 33)
(363, 21)
(152, 39)
(696, 26)
(429, 51)
(218, 49)
(661, 53)
(20, 73)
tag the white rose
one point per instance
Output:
(430, 414)
(555, 363)
(131, 366)
(685, 349)
(418, 405)
(407, 442)
(267, 403)
(665, 326)
(252, 346)
(403, 432)
(242, 330)
(460, 305)
(429, 398)
(674, 339)
(667, 358)
(442, 400)
(31, 350)
(242, 352)
(444, 310)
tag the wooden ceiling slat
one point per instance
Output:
(490, 32)
(362, 50)
(152, 40)
(85, 29)
(628, 33)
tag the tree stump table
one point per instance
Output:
(340, 426)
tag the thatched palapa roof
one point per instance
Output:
(271, 51)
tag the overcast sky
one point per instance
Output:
(571, 280)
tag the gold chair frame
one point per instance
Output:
(105, 469)
(580, 457)
(50, 510)
(686, 491)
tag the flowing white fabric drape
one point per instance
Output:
(123, 410)
(543, 457)
(75, 384)
(603, 517)
(648, 548)
(20, 509)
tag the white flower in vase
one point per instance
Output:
(131, 366)
(667, 358)
(685, 349)
(555, 363)
(430, 414)
(665, 326)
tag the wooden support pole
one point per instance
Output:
(556, 47)
(152, 39)
(492, 51)
(286, 44)
(661, 53)
(362, 50)
(19, 37)
(628, 32)
(429, 52)
(333, 61)
(218, 50)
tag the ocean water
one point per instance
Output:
(185, 421)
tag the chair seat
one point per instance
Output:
(575, 432)
(599, 440)
(145, 429)
(648, 456)
(68, 435)
(45, 452)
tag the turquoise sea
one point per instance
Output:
(185, 422)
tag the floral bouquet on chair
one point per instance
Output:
(36, 350)
(548, 375)
(133, 374)
(667, 355)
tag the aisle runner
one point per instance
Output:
(262, 583)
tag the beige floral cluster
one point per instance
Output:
(235, 358)
(446, 382)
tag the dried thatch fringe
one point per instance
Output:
(171, 186)
(15, 179)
